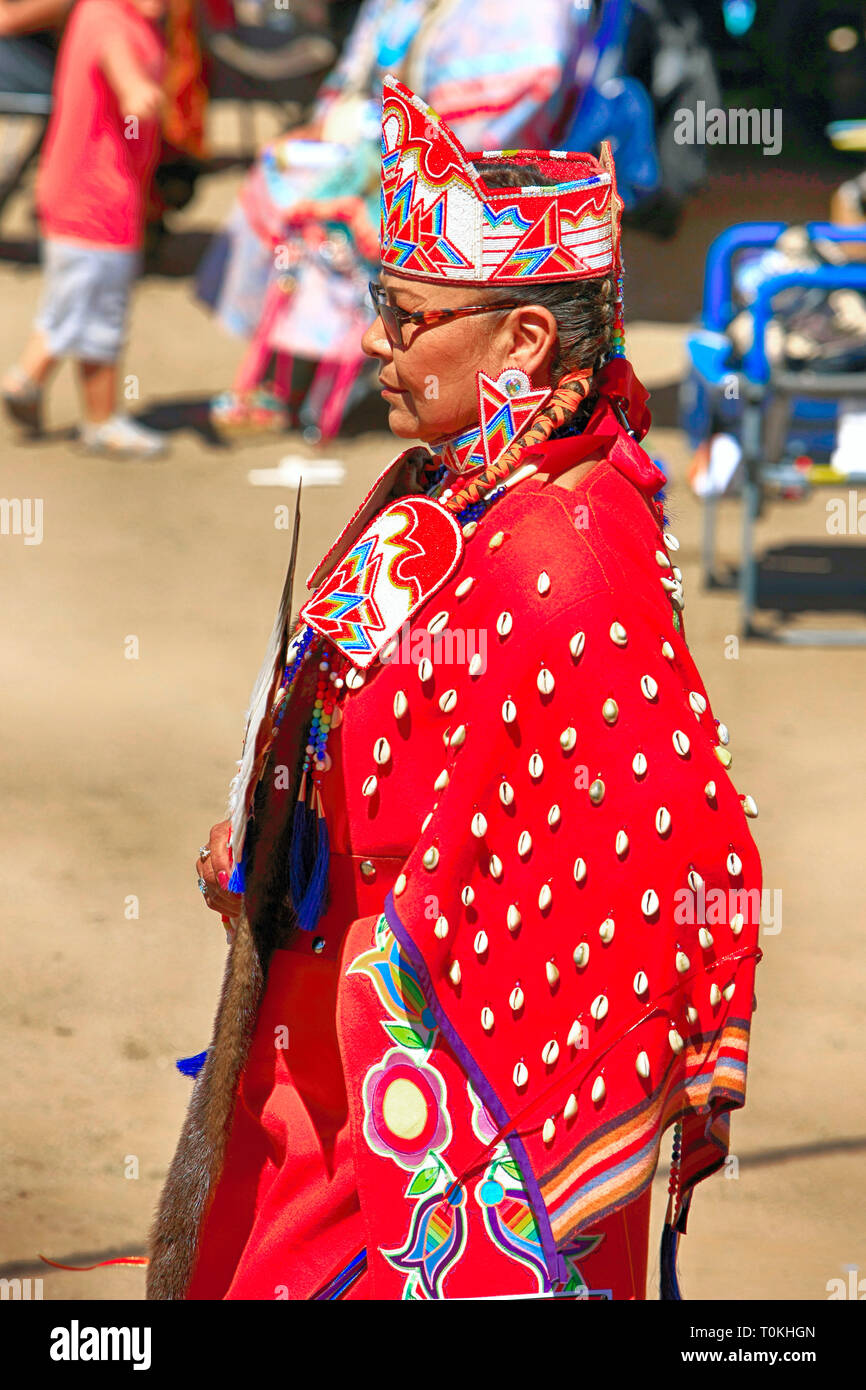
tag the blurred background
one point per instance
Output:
(141, 591)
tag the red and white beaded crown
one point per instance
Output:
(440, 221)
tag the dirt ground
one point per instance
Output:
(117, 767)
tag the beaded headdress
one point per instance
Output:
(440, 222)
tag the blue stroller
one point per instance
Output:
(784, 420)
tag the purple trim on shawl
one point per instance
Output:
(556, 1267)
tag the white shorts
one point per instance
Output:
(85, 299)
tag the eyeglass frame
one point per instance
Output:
(428, 316)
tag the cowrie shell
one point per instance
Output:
(618, 634)
(520, 1074)
(641, 983)
(479, 825)
(606, 930)
(598, 1008)
(649, 687)
(441, 928)
(506, 793)
(598, 1090)
(545, 681)
(550, 1052)
(649, 903)
(401, 704)
(579, 870)
(576, 644)
(639, 764)
(515, 999)
(504, 623)
(567, 739)
(447, 701)
(581, 954)
(438, 621)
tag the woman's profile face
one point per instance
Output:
(429, 382)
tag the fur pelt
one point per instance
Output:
(263, 925)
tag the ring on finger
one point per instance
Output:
(204, 852)
(202, 887)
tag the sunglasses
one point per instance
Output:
(393, 318)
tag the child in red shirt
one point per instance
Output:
(100, 152)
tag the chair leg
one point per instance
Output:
(708, 542)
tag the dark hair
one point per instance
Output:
(583, 309)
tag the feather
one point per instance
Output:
(240, 793)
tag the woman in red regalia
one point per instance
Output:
(493, 897)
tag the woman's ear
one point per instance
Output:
(532, 334)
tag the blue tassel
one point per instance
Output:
(191, 1066)
(236, 879)
(302, 851)
(309, 909)
(669, 1288)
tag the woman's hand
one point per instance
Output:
(214, 867)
